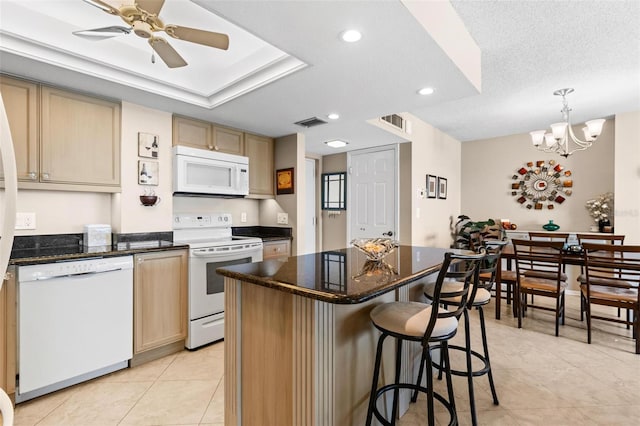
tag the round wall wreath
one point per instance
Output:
(541, 183)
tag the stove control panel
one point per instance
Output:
(201, 220)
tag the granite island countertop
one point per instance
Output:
(341, 276)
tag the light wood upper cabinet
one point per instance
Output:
(160, 299)
(259, 149)
(80, 139)
(21, 102)
(228, 140)
(193, 133)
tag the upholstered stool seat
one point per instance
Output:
(410, 319)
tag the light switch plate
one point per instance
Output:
(25, 220)
(243, 217)
(283, 218)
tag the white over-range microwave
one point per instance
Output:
(201, 172)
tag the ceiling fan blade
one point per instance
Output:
(152, 7)
(206, 38)
(103, 6)
(102, 33)
(167, 53)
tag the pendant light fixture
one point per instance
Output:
(561, 139)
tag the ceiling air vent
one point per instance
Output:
(310, 122)
(395, 120)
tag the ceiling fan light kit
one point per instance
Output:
(143, 19)
(562, 133)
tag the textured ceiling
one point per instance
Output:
(529, 49)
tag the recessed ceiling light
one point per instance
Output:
(333, 116)
(351, 36)
(336, 143)
(426, 91)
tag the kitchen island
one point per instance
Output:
(299, 343)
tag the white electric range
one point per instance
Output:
(211, 246)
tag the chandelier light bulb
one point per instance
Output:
(587, 134)
(537, 137)
(549, 140)
(595, 127)
(558, 130)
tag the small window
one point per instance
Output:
(334, 191)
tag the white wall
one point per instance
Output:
(487, 167)
(627, 176)
(436, 153)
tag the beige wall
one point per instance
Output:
(334, 225)
(627, 176)
(487, 167)
(436, 153)
(129, 215)
(289, 152)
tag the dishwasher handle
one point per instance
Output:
(78, 275)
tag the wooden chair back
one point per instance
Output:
(612, 265)
(549, 236)
(539, 259)
(600, 239)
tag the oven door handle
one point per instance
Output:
(205, 253)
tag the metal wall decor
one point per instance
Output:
(541, 185)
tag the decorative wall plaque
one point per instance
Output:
(541, 184)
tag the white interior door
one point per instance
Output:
(373, 193)
(311, 222)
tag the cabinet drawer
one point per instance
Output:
(276, 249)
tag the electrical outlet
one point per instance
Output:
(243, 217)
(283, 218)
(25, 221)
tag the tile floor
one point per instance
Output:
(541, 380)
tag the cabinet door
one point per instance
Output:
(193, 133)
(228, 140)
(80, 139)
(160, 299)
(260, 152)
(21, 102)
(275, 249)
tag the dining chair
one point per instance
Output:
(597, 239)
(428, 324)
(612, 278)
(539, 272)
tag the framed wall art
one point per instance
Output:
(147, 145)
(284, 181)
(442, 188)
(147, 172)
(432, 186)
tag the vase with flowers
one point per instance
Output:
(601, 209)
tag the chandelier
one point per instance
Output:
(562, 134)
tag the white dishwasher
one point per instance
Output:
(75, 322)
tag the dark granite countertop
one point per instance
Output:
(267, 233)
(38, 249)
(342, 276)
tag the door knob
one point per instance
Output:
(388, 233)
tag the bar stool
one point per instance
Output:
(424, 323)
(479, 296)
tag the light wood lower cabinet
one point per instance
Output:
(160, 300)
(8, 335)
(276, 249)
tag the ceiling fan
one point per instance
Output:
(142, 17)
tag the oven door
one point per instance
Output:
(206, 288)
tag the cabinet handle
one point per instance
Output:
(216, 148)
(45, 176)
(33, 175)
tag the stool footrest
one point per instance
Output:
(452, 416)
(484, 370)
